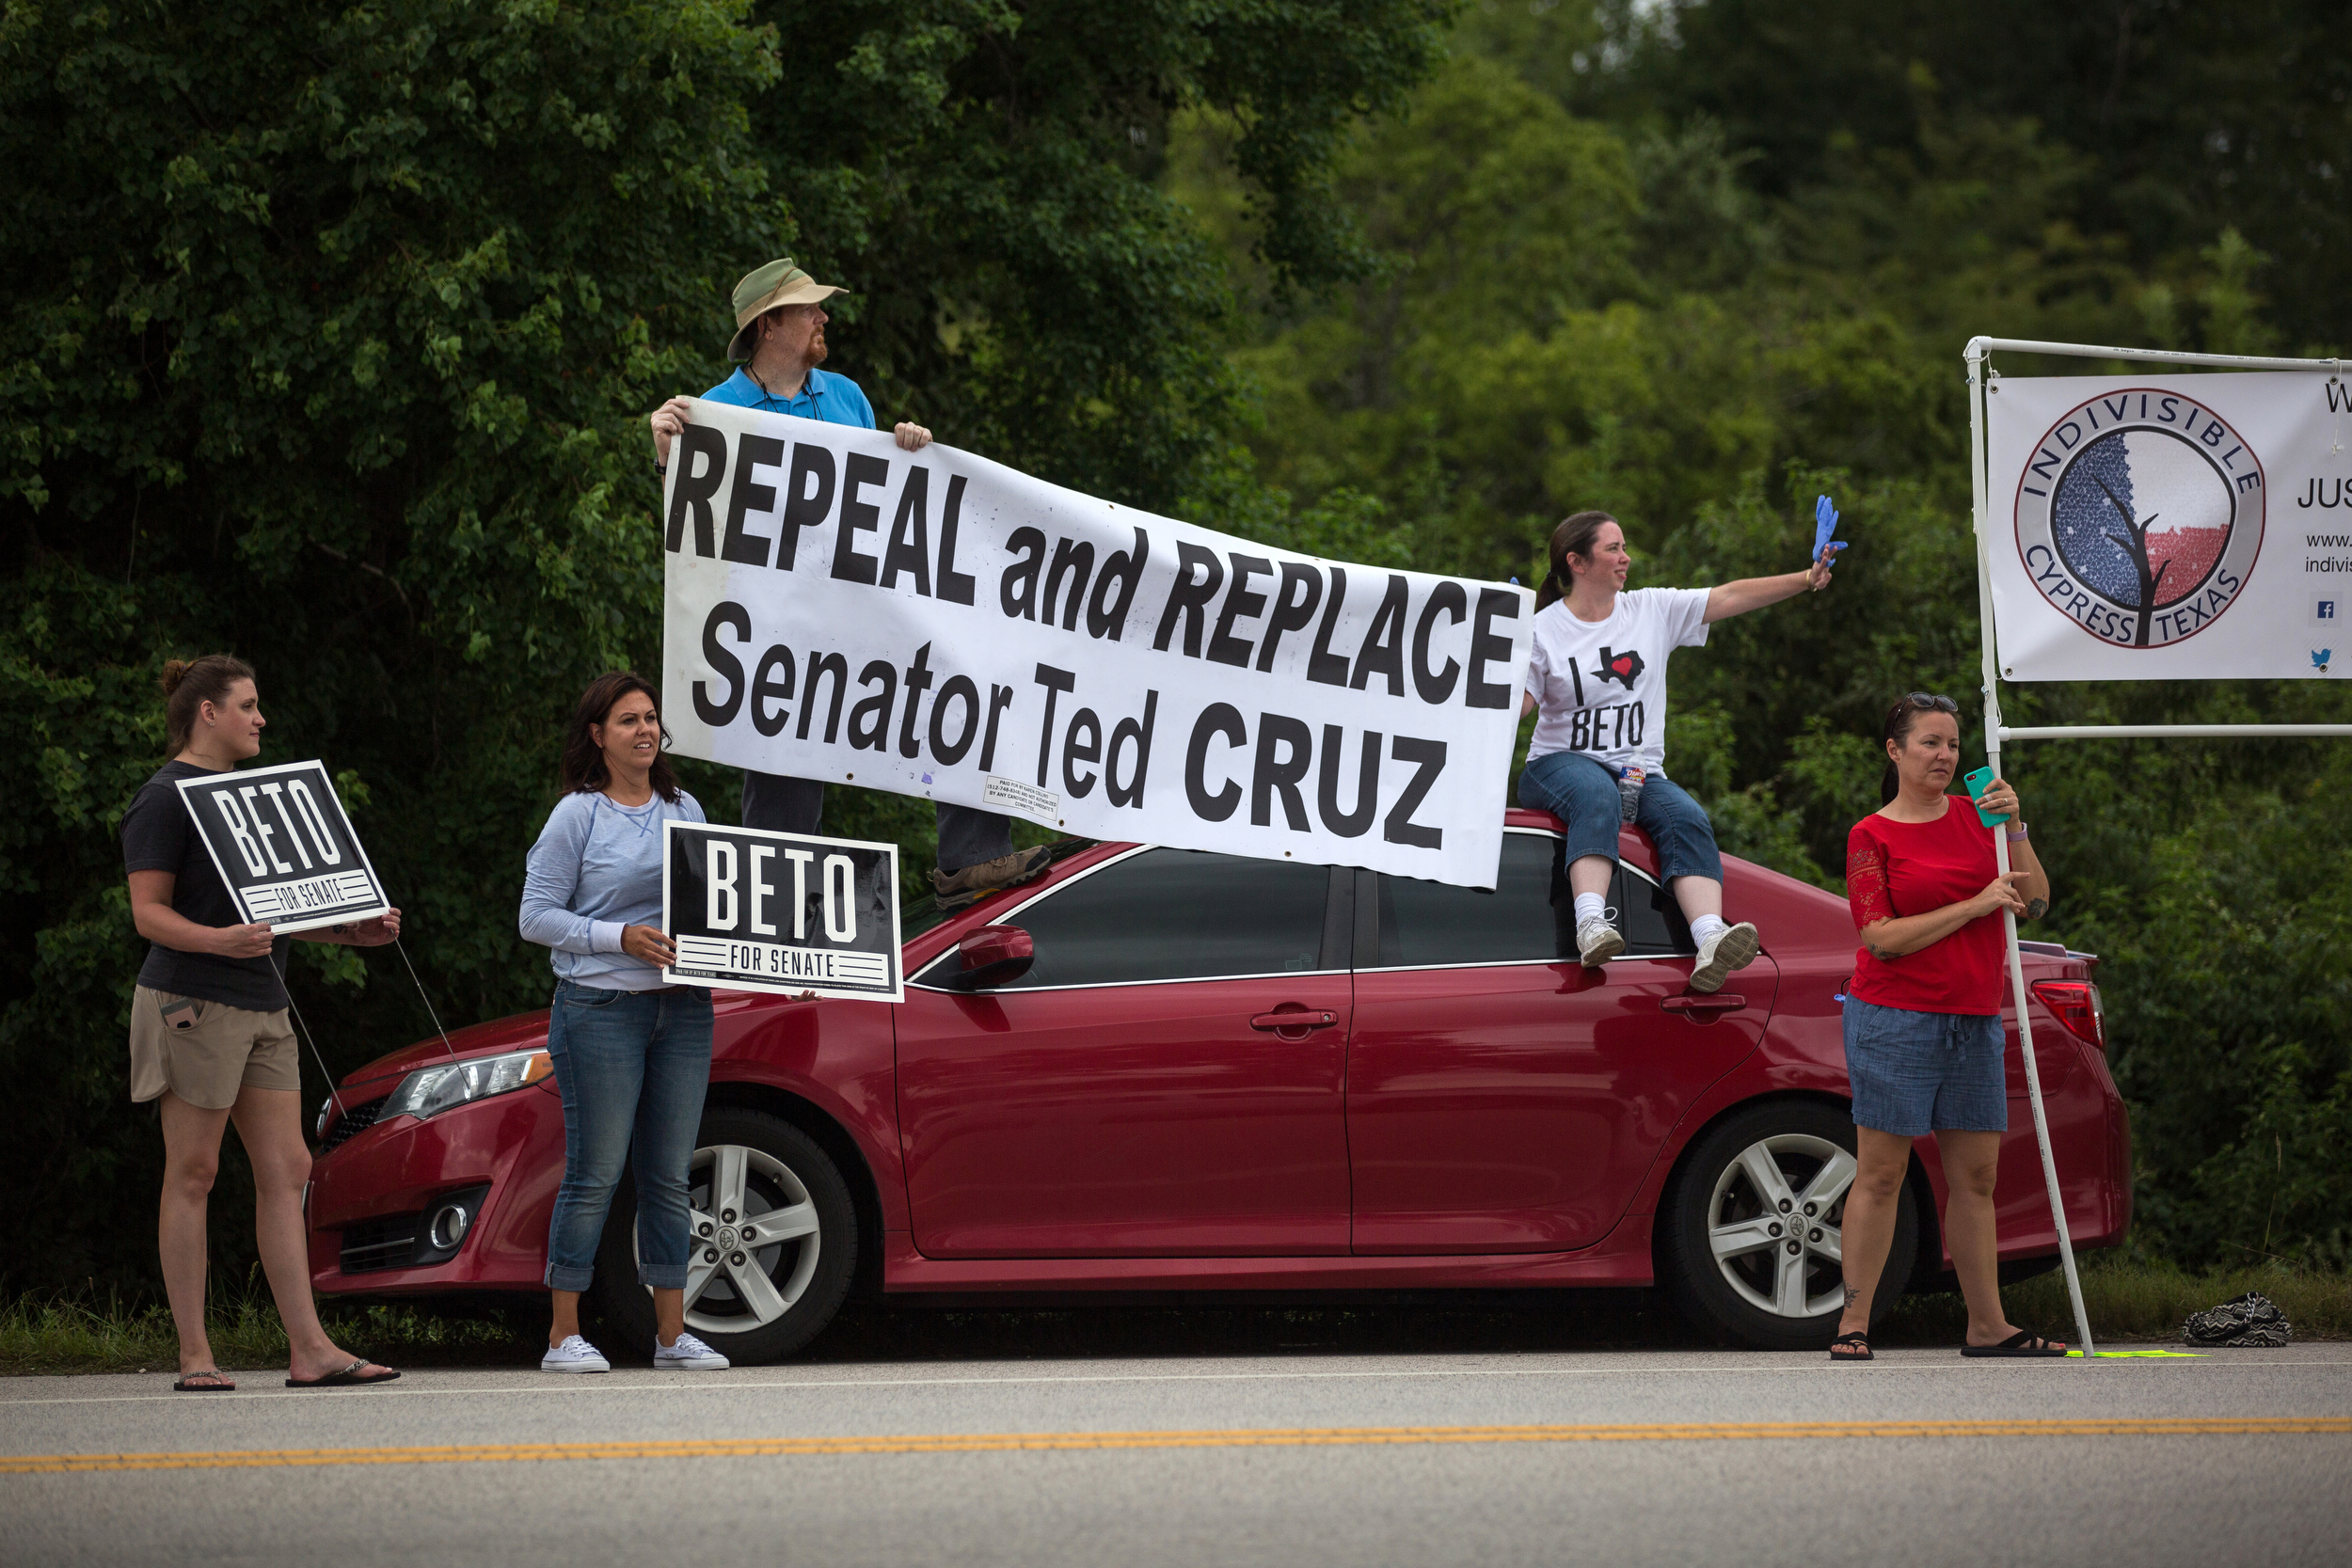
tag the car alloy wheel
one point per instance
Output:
(1750, 1235)
(755, 1240)
(1773, 1219)
(772, 1236)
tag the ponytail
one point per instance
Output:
(1576, 535)
(188, 685)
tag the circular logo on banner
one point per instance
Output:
(2140, 515)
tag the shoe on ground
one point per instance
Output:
(1597, 942)
(689, 1355)
(962, 887)
(1730, 949)
(574, 1354)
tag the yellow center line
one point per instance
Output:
(762, 1448)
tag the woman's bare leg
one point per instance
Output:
(1698, 895)
(269, 1123)
(191, 1159)
(1972, 1164)
(1867, 1231)
(1590, 873)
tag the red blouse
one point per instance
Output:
(1895, 869)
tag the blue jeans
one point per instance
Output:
(1584, 794)
(633, 1066)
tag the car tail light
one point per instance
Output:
(2078, 1005)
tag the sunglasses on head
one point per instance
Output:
(1930, 700)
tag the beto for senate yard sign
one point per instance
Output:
(2165, 527)
(751, 910)
(282, 842)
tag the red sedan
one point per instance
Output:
(1161, 1070)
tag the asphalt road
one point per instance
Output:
(1623, 1457)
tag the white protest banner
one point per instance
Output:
(281, 843)
(2170, 527)
(935, 623)
(782, 912)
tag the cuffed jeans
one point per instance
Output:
(1584, 794)
(633, 1066)
(778, 804)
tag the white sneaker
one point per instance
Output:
(1597, 942)
(689, 1355)
(1734, 947)
(574, 1354)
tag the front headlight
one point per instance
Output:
(429, 1091)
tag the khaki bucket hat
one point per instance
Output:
(762, 290)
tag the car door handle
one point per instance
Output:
(1721, 1002)
(1293, 1020)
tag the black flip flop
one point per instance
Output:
(1855, 1338)
(188, 1383)
(2022, 1342)
(350, 1377)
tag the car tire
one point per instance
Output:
(752, 1303)
(1724, 1239)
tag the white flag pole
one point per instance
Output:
(1977, 462)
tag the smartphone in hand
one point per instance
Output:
(1977, 782)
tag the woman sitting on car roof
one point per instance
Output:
(1597, 670)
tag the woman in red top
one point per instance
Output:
(1923, 1016)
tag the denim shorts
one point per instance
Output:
(1916, 1074)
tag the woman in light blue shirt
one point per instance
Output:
(632, 1055)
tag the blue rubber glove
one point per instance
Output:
(1824, 525)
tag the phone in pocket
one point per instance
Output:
(1976, 782)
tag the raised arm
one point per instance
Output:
(1738, 598)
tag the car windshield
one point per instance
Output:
(925, 913)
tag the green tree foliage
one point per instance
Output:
(329, 337)
(1695, 264)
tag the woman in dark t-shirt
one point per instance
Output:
(1924, 1040)
(209, 1036)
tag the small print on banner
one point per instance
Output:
(787, 914)
(998, 793)
(281, 843)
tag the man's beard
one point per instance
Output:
(815, 353)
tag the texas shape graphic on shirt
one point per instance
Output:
(1625, 668)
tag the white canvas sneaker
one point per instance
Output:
(1732, 948)
(1597, 942)
(574, 1354)
(689, 1355)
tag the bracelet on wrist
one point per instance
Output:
(2018, 833)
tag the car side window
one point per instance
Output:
(1650, 917)
(1177, 914)
(1424, 924)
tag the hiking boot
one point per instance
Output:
(956, 890)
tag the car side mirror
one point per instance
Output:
(992, 956)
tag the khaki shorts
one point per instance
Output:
(205, 1052)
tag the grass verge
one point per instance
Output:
(42, 1334)
(2128, 1300)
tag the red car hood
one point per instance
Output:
(522, 1032)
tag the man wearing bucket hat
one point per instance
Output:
(778, 341)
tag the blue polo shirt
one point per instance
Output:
(835, 399)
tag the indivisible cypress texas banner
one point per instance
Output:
(2170, 527)
(282, 842)
(935, 623)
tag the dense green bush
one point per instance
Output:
(329, 337)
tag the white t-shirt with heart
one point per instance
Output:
(1600, 685)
